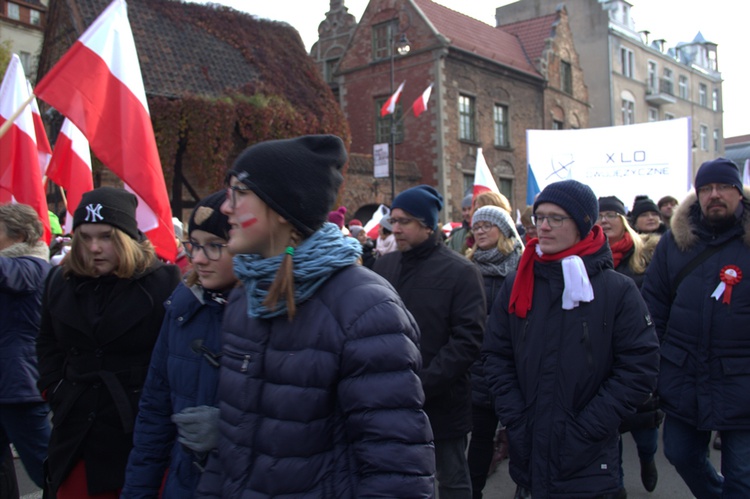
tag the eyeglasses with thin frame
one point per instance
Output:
(211, 250)
(485, 227)
(608, 215)
(720, 188)
(553, 221)
(232, 191)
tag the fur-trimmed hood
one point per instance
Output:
(683, 225)
(38, 250)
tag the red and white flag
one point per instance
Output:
(420, 105)
(389, 107)
(98, 85)
(483, 180)
(70, 167)
(20, 177)
(42, 142)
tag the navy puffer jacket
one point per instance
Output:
(328, 405)
(564, 379)
(183, 373)
(704, 377)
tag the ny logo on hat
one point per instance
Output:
(93, 213)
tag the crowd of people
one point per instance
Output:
(290, 355)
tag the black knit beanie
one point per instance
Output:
(208, 217)
(107, 205)
(297, 178)
(642, 204)
(611, 203)
(719, 171)
(422, 201)
(577, 199)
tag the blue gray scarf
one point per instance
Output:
(315, 260)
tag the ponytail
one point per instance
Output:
(283, 283)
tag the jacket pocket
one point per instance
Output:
(519, 450)
(582, 457)
(732, 405)
(673, 379)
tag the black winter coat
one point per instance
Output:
(93, 375)
(565, 379)
(444, 292)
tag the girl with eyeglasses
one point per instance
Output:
(176, 425)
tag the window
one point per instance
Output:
(25, 58)
(557, 125)
(653, 114)
(626, 62)
(668, 116)
(383, 123)
(468, 182)
(14, 12)
(566, 77)
(704, 138)
(466, 118)
(628, 112)
(703, 95)
(684, 94)
(506, 187)
(653, 81)
(382, 40)
(715, 99)
(716, 140)
(330, 69)
(501, 126)
(35, 17)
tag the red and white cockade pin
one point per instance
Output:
(729, 276)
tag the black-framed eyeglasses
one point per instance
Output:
(485, 227)
(211, 250)
(232, 191)
(553, 221)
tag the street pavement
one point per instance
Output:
(500, 486)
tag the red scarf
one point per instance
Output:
(621, 247)
(523, 287)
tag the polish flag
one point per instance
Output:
(42, 142)
(20, 177)
(389, 107)
(483, 180)
(70, 167)
(420, 105)
(98, 85)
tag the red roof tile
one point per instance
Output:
(472, 35)
(533, 33)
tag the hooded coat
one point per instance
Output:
(565, 379)
(704, 378)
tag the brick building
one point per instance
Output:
(489, 87)
(22, 27)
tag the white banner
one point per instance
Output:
(380, 160)
(624, 161)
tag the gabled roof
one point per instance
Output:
(533, 33)
(474, 36)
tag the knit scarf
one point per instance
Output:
(492, 262)
(315, 260)
(621, 247)
(523, 288)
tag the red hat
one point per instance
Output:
(337, 217)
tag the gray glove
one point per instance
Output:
(198, 427)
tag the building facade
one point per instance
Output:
(634, 80)
(22, 28)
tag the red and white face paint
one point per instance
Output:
(250, 219)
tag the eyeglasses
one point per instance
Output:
(720, 188)
(211, 250)
(610, 215)
(553, 221)
(485, 227)
(232, 191)
(401, 221)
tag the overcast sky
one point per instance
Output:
(724, 22)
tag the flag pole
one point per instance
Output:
(4, 128)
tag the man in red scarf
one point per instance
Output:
(570, 350)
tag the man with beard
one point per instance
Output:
(698, 293)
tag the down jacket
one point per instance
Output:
(184, 372)
(23, 270)
(328, 405)
(705, 348)
(564, 379)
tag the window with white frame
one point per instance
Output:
(684, 94)
(704, 137)
(653, 114)
(626, 62)
(466, 117)
(14, 11)
(500, 117)
(35, 17)
(715, 99)
(628, 112)
(716, 140)
(703, 95)
(653, 79)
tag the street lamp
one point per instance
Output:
(402, 47)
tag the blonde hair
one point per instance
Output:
(505, 246)
(640, 259)
(134, 256)
(490, 198)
